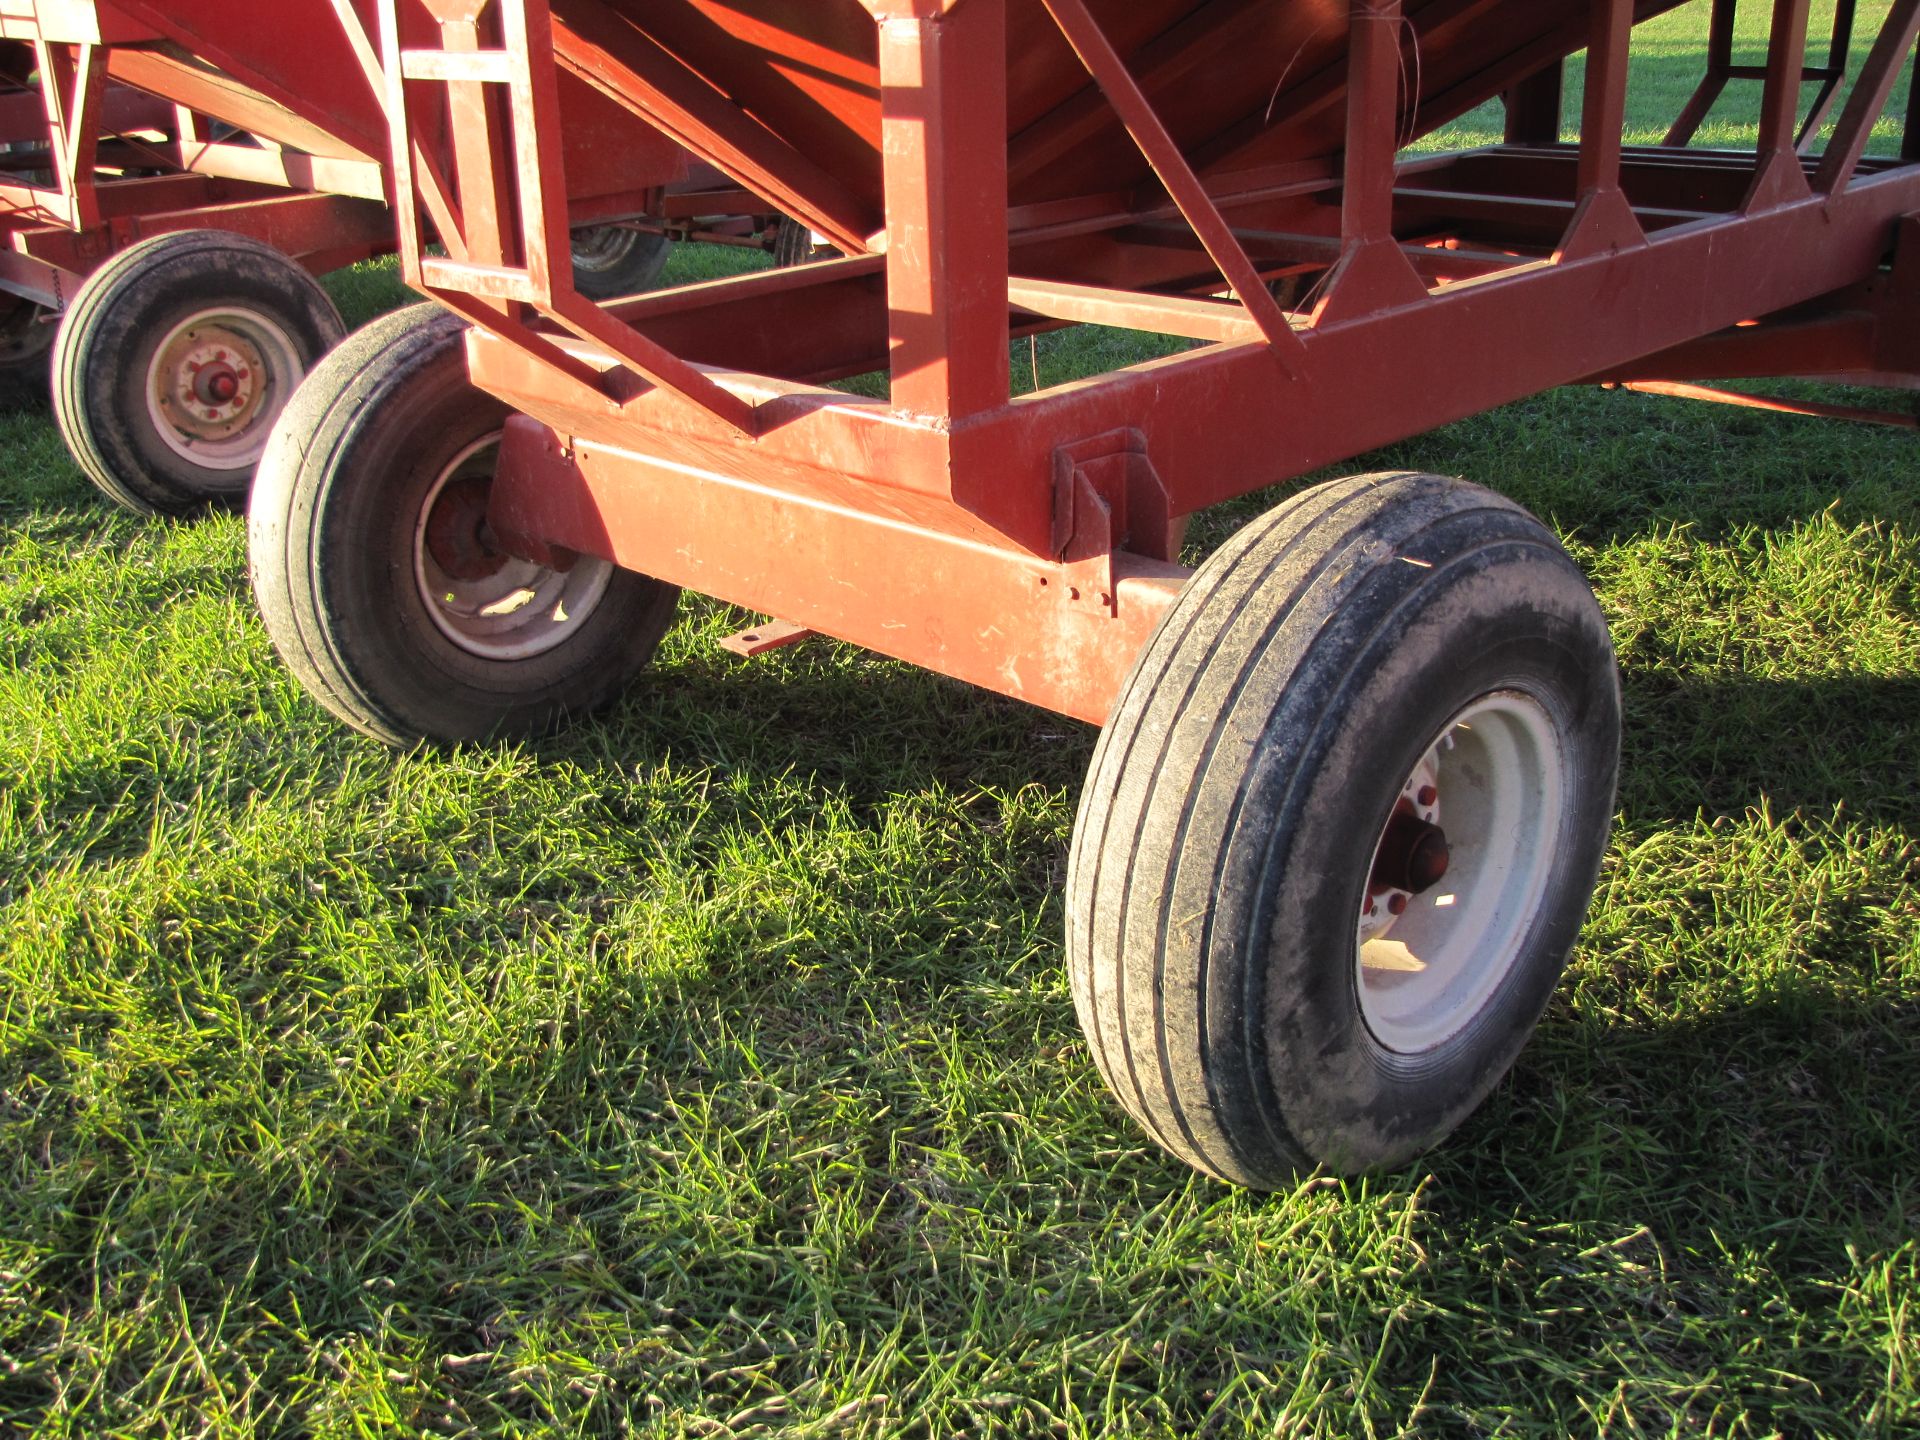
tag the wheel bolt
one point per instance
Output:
(1425, 797)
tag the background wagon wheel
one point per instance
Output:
(793, 242)
(174, 360)
(610, 261)
(378, 578)
(26, 341)
(1342, 829)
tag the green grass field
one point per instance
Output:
(710, 1070)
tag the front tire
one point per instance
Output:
(375, 572)
(1342, 829)
(174, 361)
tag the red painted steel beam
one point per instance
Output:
(1171, 166)
(1372, 273)
(1554, 323)
(1779, 405)
(1836, 335)
(47, 285)
(1868, 97)
(1779, 176)
(1027, 627)
(1719, 67)
(943, 103)
(626, 64)
(1603, 218)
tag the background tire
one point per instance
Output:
(792, 243)
(26, 347)
(611, 261)
(1231, 835)
(174, 360)
(370, 564)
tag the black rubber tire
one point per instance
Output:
(792, 243)
(26, 349)
(115, 328)
(330, 535)
(1225, 838)
(610, 261)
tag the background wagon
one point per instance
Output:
(201, 163)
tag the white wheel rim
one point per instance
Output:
(217, 382)
(1428, 963)
(517, 609)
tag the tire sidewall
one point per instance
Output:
(122, 327)
(1333, 1086)
(635, 267)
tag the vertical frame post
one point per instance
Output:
(1373, 273)
(1534, 106)
(1839, 46)
(1719, 71)
(1779, 178)
(1868, 97)
(73, 82)
(1603, 220)
(943, 104)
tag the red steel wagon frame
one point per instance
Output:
(1380, 724)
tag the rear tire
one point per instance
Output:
(1271, 971)
(375, 573)
(792, 243)
(175, 359)
(611, 261)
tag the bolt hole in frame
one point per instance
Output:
(1282, 956)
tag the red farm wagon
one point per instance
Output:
(201, 163)
(1357, 770)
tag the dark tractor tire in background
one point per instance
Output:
(375, 572)
(1342, 829)
(26, 348)
(175, 359)
(611, 261)
(792, 243)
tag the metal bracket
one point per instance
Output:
(1107, 497)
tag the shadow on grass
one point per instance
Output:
(1788, 1116)
(1724, 747)
(866, 727)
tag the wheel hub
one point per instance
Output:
(217, 381)
(490, 604)
(1447, 911)
(1413, 855)
(457, 534)
(210, 382)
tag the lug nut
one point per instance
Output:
(1426, 796)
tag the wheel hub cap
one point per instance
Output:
(213, 383)
(1448, 913)
(216, 384)
(490, 604)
